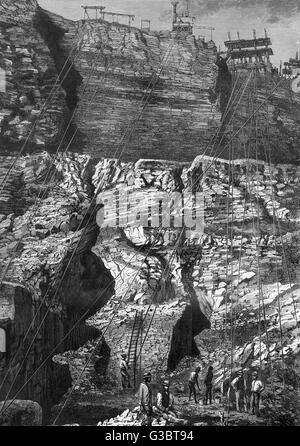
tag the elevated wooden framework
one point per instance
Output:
(145, 25)
(100, 13)
(248, 43)
(184, 22)
(249, 50)
(259, 54)
(292, 67)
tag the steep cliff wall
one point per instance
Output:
(156, 89)
(241, 274)
(31, 75)
(107, 71)
(42, 315)
(212, 283)
(263, 119)
(133, 93)
(214, 278)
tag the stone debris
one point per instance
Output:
(20, 413)
(131, 418)
(223, 275)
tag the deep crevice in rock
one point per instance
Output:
(70, 79)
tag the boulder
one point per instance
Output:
(20, 413)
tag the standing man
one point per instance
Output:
(257, 388)
(165, 401)
(193, 382)
(145, 396)
(239, 387)
(124, 372)
(247, 386)
(208, 384)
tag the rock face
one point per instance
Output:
(112, 67)
(30, 82)
(213, 282)
(110, 90)
(265, 109)
(225, 291)
(156, 89)
(40, 303)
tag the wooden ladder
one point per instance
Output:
(134, 341)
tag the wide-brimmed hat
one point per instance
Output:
(147, 375)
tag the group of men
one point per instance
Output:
(165, 400)
(164, 407)
(194, 382)
(248, 395)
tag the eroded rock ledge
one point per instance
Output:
(39, 298)
(209, 277)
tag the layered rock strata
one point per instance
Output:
(214, 277)
(47, 287)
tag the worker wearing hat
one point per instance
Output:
(145, 396)
(124, 366)
(238, 384)
(193, 382)
(257, 388)
(165, 401)
(208, 384)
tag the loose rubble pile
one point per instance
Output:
(130, 418)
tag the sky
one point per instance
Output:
(281, 18)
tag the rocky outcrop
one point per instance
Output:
(226, 293)
(211, 282)
(20, 413)
(31, 77)
(120, 90)
(37, 244)
(157, 89)
(213, 278)
(115, 68)
(263, 119)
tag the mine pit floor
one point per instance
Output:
(90, 409)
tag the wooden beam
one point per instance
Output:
(251, 53)
(244, 43)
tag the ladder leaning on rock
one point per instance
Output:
(134, 341)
